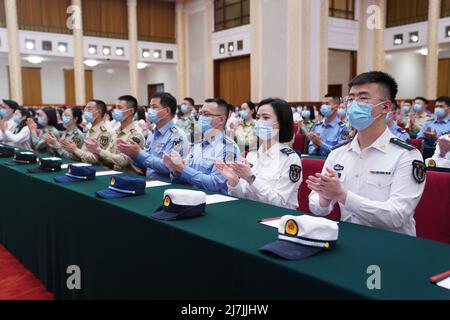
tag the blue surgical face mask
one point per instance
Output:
(264, 130)
(3, 113)
(89, 117)
(359, 115)
(417, 107)
(244, 115)
(153, 116)
(341, 112)
(205, 124)
(405, 109)
(42, 122)
(118, 115)
(17, 118)
(184, 108)
(306, 114)
(66, 120)
(326, 110)
(439, 112)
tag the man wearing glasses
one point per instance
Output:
(199, 169)
(166, 138)
(377, 179)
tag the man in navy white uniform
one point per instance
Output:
(377, 179)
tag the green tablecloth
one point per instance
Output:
(123, 254)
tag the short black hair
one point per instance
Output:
(101, 106)
(334, 97)
(130, 100)
(284, 116)
(141, 113)
(311, 111)
(381, 78)
(425, 100)
(444, 99)
(51, 116)
(77, 113)
(167, 100)
(190, 100)
(252, 107)
(25, 113)
(223, 105)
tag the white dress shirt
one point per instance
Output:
(441, 162)
(382, 191)
(273, 184)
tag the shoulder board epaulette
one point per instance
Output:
(341, 145)
(402, 144)
(103, 129)
(133, 131)
(174, 130)
(401, 130)
(287, 151)
(342, 124)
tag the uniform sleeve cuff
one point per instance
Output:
(187, 173)
(353, 202)
(141, 157)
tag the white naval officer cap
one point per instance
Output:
(181, 204)
(300, 237)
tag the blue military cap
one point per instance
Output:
(122, 187)
(77, 174)
(181, 204)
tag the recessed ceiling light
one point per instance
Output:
(35, 59)
(30, 45)
(423, 51)
(92, 50)
(398, 39)
(91, 63)
(62, 47)
(157, 54)
(222, 48)
(106, 51)
(230, 47)
(120, 52)
(414, 37)
(146, 53)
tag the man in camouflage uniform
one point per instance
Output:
(111, 157)
(93, 113)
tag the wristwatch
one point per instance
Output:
(252, 179)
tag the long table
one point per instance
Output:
(124, 254)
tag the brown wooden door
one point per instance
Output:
(69, 81)
(31, 86)
(232, 79)
(444, 77)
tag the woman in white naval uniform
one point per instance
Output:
(273, 173)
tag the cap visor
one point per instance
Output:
(12, 163)
(67, 179)
(111, 194)
(160, 214)
(37, 170)
(289, 250)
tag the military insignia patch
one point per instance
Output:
(419, 171)
(136, 139)
(167, 201)
(291, 228)
(338, 168)
(287, 151)
(104, 141)
(344, 134)
(229, 157)
(295, 173)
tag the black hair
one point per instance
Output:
(109, 113)
(167, 101)
(141, 113)
(25, 113)
(12, 104)
(284, 116)
(312, 117)
(130, 100)
(101, 106)
(190, 100)
(425, 100)
(51, 116)
(77, 113)
(383, 79)
(444, 99)
(336, 99)
(223, 106)
(252, 107)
